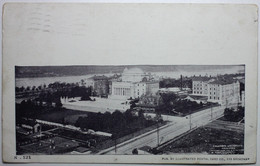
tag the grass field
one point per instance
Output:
(208, 141)
(55, 145)
(69, 116)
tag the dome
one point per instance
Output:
(133, 71)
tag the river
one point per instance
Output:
(37, 81)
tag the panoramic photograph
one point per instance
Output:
(130, 109)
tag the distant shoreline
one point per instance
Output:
(63, 71)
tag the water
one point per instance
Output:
(196, 73)
(37, 81)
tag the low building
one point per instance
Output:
(148, 102)
(197, 99)
(175, 90)
(31, 125)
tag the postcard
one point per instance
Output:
(129, 83)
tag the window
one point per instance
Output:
(209, 97)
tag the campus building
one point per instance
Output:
(134, 83)
(99, 85)
(224, 92)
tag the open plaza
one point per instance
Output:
(101, 105)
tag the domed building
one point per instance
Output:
(133, 75)
(135, 83)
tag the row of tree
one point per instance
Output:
(117, 123)
(58, 90)
(171, 82)
(170, 103)
(233, 115)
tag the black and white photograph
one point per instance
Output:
(135, 83)
(131, 109)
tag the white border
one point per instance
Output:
(140, 1)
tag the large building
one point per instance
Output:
(224, 92)
(134, 83)
(99, 84)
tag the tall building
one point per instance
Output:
(99, 84)
(224, 92)
(200, 86)
(134, 83)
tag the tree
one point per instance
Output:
(22, 89)
(33, 88)
(58, 104)
(40, 87)
(135, 151)
(229, 114)
(28, 88)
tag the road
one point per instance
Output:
(168, 132)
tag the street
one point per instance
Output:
(168, 132)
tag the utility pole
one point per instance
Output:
(115, 146)
(190, 119)
(211, 111)
(158, 137)
(158, 115)
(226, 102)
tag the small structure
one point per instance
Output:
(197, 99)
(144, 150)
(31, 125)
(175, 90)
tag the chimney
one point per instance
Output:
(181, 82)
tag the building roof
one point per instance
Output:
(134, 70)
(145, 148)
(242, 81)
(29, 122)
(222, 81)
(195, 97)
(201, 78)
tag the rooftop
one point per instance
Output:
(222, 81)
(201, 78)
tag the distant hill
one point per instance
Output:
(52, 71)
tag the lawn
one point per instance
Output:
(62, 145)
(208, 141)
(60, 116)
